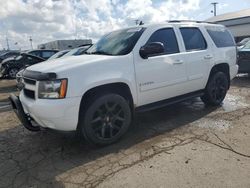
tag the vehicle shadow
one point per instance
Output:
(39, 158)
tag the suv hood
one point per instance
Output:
(71, 62)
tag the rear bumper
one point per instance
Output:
(61, 114)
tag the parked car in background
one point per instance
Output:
(78, 51)
(59, 54)
(11, 66)
(244, 58)
(9, 54)
(242, 42)
(45, 54)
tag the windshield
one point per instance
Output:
(119, 42)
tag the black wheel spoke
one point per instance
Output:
(119, 118)
(97, 119)
(103, 131)
(111, 131)
(108, 120)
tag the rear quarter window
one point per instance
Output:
(221, 36)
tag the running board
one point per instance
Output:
(170, 101)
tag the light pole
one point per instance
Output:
(7, 42)
(31, 45)
(214, 11)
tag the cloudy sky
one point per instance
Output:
(47, 20)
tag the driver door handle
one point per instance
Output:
(178, 62)
(208, 57)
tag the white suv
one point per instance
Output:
(129, 70)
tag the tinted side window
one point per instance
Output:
(193, 39)
(221, 37)
(168, 38)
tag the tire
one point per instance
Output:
(12, 72)
(216, 89)
(105, 120)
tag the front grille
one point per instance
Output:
(28, 93)
(29, 81)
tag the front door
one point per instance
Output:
(161, 76)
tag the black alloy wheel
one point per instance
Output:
(216, 89)
(106, 119)
(12, 72)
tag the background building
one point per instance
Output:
(64, 44)
(237, 22)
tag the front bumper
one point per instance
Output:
(24, 118)
(58, 114)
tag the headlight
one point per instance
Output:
(54, 89)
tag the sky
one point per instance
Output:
(48, 20)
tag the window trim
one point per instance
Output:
(194, 50)
(165, 28)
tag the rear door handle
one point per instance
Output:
(178, 62)
(208, 57)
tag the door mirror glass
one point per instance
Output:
(150, 49)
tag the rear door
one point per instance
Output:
(198, 56)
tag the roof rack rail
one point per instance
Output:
(196, 21)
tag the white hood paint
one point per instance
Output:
(66, 63)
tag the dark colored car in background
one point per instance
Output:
(244, 58)
(8, 54)
(45, 54)
(11, 66)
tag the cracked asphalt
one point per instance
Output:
(182, 145)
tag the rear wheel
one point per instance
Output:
(216, 89)
(12, 72)
(106, 119)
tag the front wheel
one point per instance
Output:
(12, 72)
(216, 89)
(106, 119)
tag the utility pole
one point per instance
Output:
(214, 11)
(137, 22)
(7, 42)
(31, 43)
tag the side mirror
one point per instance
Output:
(151, 49)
